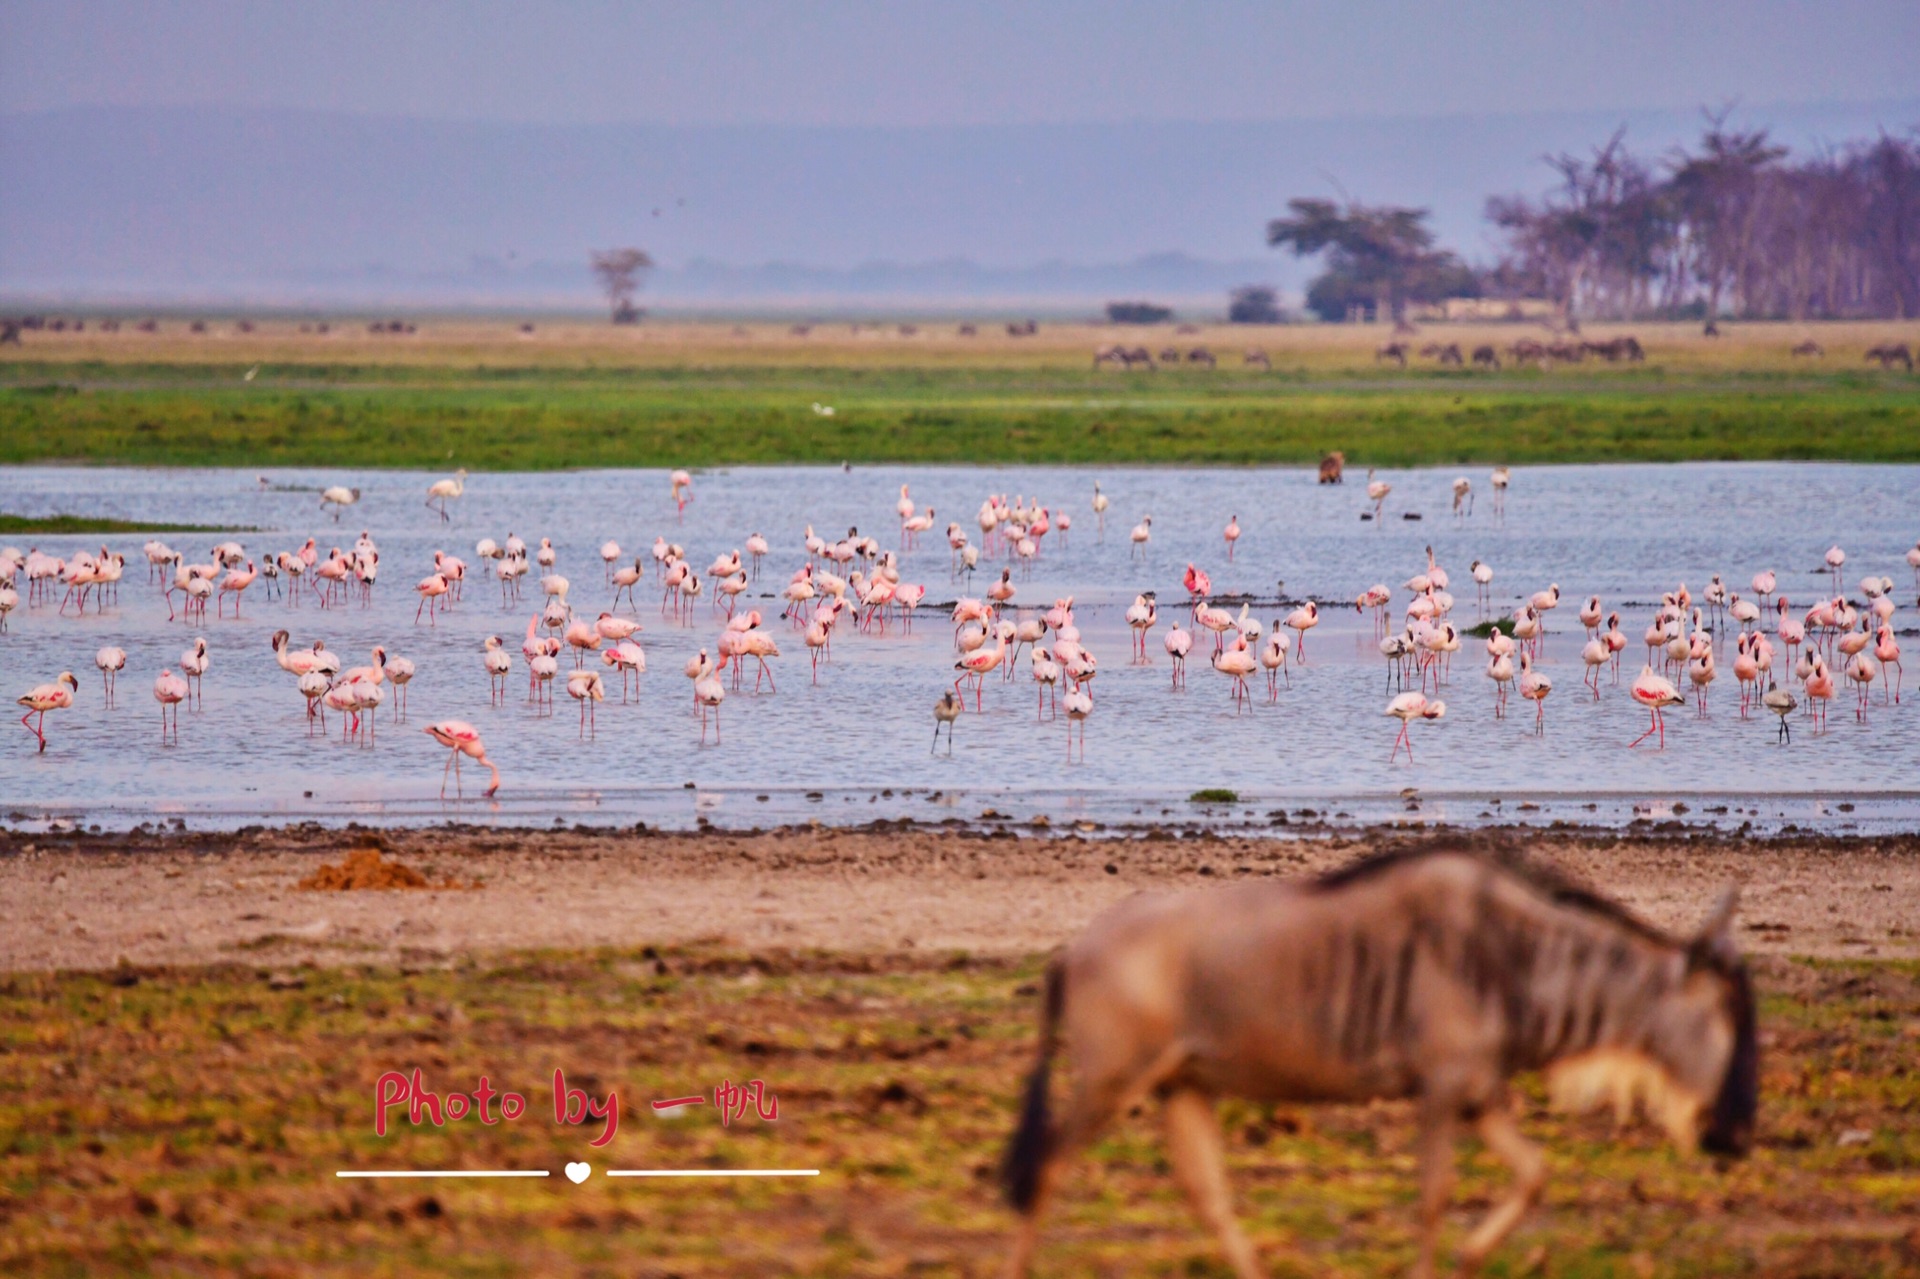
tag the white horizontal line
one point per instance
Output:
(713, 1172)
(443, 1172)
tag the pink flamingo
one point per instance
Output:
(1236, 662)
(1302, 620)
(978, 664)
(111, 661)
(1178, 644)
(1232, 534)
(709, 692)
(1079, 704)
(57, 696)
(461, 738)
(431, 588)
(235, 583)
(1655, 693)
(169, 690)
(1887, 651)
(1406, 708)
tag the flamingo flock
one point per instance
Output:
(855, 585)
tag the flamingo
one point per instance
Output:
(1406, 708)
(977, 665)
(1101, 502)
(708, 693)
(1595, 654)
(193, 664)
(461, 738)
(1232, 534)
(1862, 671)
(1237, 663)
(1820, 689)
(1302, 620)
(945, 711)
(1500, 671)
(1178, 644)
(1141, 534)
(1655, 693)
(1887, 652)
(111, 661)
(444, 491)
(682, 485)
(498, 663)
(169, 690)
(1217, 620)
(400, 671)
(1198, 584)
(1763, 584)
(57, 696)
(1746, 670)
(1701, 673)
(1462, 496)
(1502, 477)
(1079, 704)
(1273, 657)
(586, 688)
(1483, 581)
(1377, 491)
(431, 588)
(339, 497)
(1836, 559)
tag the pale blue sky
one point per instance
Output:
(909, 62)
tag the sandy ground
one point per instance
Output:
(87, 901)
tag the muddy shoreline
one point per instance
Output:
(79, 900)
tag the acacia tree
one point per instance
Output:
(619, 271)
(1382, 254)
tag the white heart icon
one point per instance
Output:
(579, 1172)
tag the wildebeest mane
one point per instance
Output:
(1548, 881)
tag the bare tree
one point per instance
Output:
(619, 271)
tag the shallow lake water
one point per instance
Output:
(834, 750)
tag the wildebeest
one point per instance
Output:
(9, 332)
(1123, 356)
(1395, 351)
(1527, 349)
(1448, 354)
(1255, 358)
(1890, 354)
(1023, 329)
(1432, 974)
(1170, 356)
(1333, 467)
(1614, 350)
(1200, 355)
(1810, 348)
(1486, 357)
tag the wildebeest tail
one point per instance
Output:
(1032, 1140)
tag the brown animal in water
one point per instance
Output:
(1812, 349)
(1332, 468)
(1486, 357)
(1395, 351)
(1433, 975)
(1892, 353)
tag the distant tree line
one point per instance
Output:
(1730, 226)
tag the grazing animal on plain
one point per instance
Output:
(1433, 974)
(1890, 354)
(1395, 351)
(1810, 349)
(1485, 357)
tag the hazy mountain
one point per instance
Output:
(290, 206)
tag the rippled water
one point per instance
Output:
(1626, 532)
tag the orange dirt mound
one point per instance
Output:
(366, 868)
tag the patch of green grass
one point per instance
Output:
(1214, 795)
(190, 1121)
(50, 524)
(546, 418)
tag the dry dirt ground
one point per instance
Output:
(78, 901)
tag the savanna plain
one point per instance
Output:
(190, 1039)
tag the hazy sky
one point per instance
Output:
(906, 62)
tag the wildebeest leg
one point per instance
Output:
(1502, 1134)
(1437, 1176)
(1199, 1163)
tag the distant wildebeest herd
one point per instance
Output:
(1139, 357)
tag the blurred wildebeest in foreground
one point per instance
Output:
(1333, 467)
(1433, 974)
